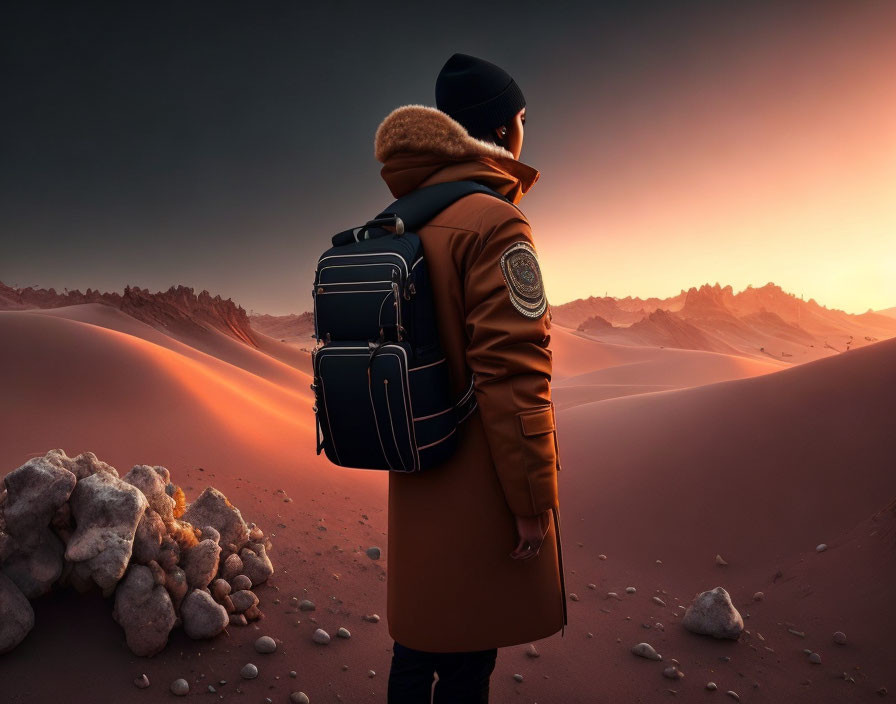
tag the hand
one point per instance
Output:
(531, 530)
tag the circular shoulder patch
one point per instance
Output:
(519, 265)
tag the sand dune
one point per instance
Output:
(668, 455)
(581, 362)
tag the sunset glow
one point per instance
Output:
(770, 160)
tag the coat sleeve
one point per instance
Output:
(507, 326)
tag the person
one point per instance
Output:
(474, 554)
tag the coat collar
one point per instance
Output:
(420, 146)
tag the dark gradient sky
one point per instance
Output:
(220, 144)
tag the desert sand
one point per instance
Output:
(668, 454)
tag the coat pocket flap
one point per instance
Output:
(538, 421)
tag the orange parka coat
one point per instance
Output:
(452, 585)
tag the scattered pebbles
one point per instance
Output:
(645, 650)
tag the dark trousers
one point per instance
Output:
(463, 677)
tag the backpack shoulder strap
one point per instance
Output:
(419, 207)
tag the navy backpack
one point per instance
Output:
(381, 385)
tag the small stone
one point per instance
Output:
(601, 557)
(758, 596)
(630, 590)
(180, 688)
(233, 566)
(815, 658)
(518, 677)
(243, 600)
(293, 674)
(659, 562)
(591, 585)
(241, 582)
(645, 650)
(882, 691)
(299, 698)
(142, 682)
(202, 616)
(840, 638)
(821, 547)
(220, 588)
(796, 632)
(720, 561)
(307, 605)
(211, 689)
(371, 673)
(734, 695)
(613, 595)
(372, 618)
(573, 596)
(711, 686)
(249, 671)
(373, 553)
(265, 645)
(238, 620)
(532, 652)
(657, 600)
(321, 636)
(673, 673)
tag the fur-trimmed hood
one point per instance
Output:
(418, 128)
(420, 145)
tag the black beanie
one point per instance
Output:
(478, 94)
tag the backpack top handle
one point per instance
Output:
(414, 210)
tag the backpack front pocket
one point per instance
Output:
(356, 310)
(345, 412)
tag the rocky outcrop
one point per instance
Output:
(200, 563)
(256, 563)
(81, 466)
(107, 511)
(203, 617)
(213, 509)
(16, 615)
(153, 482)
(72, 522)
(35, 562)
(178, 308)
(144, 610)
(34, 492)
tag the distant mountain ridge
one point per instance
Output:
(758, 322)
(178, 309)
(763, 321)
